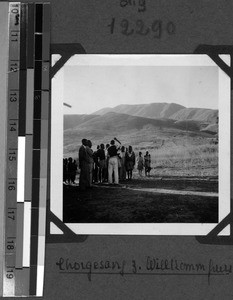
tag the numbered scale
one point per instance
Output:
(27, 148)
(12, 149)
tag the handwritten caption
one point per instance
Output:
(151, 266)
(140, 5)
(156, 28)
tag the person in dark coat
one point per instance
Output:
(90, 161)
(113, 163)
(96, 165)
(101, 162)
(65, 162)
(83, 165)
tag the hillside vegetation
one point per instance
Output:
(182, 141)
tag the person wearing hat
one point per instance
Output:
(113, 163)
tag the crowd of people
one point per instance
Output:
(109, 163)
(69, 170)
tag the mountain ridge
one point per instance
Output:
(164, 110)
(125, 116)
(154, 110)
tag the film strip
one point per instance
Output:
(27, 148)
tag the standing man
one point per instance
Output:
(101, 162)
(90, 163)
(83, 165)
(113, 163)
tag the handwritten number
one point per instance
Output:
(111, 25)
(171, 29)
(157, 28)
(140, 26)
(134, 266)
(125, 27)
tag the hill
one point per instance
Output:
(197, 114)
(152, 110)
(117, 123)
(71, 121)
(164, 110)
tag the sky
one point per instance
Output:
(88, 88)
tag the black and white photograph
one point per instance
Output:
(141, 139)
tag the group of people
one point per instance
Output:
(109, 163)
(144, 163)
(69, 170)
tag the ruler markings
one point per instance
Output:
(21, 148)
(23, 72)
(11, 195)
(27, 148)
(27, 138)
(22, 287)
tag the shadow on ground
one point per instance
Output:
(104, 204)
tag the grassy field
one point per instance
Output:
(123, 204)
(181, 160)
(173, 152)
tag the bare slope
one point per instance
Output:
(152, 110)
(197, 114)
(118, 122)
(71, 121)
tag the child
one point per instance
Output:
(140, 164)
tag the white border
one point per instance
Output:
(56, 204)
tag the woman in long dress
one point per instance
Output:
(129, 162)
(140, 164)
(147, 163)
